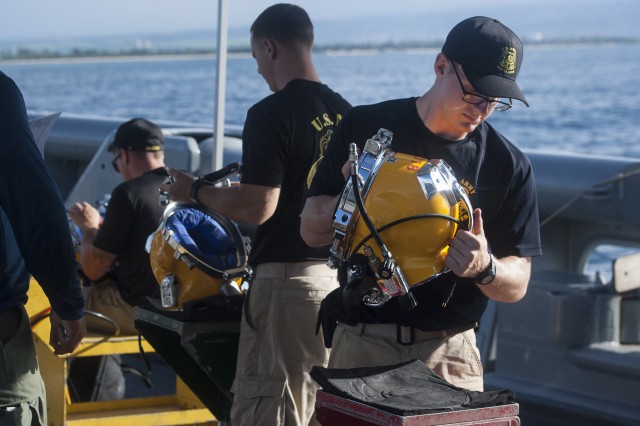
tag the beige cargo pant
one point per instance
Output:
(278, 345)
(104, 298)
(455, 358)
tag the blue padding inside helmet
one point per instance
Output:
(203, 237)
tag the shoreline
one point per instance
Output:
(118, 58)
(320, 50)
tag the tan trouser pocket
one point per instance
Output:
(258, 401)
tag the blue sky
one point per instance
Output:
(73, 18)
(37, 19)
(64, 18)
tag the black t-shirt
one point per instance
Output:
(284, 136)
(133, 213)
(497, 177)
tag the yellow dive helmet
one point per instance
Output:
(397, 222)
(196, 253)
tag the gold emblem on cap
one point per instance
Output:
(507, 62)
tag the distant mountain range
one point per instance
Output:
(587, 20)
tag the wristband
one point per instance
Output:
(488, 275)
(195, 186)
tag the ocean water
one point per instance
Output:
(584, 98)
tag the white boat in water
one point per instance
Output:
(570, 350)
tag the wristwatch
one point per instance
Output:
(487, 276)
(195, 186)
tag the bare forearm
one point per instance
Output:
(511, 281)
(93, 261)
(241, 202)
(246, 203)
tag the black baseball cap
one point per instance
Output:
(490, 55)
(138, 134)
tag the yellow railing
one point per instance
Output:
(181, 408)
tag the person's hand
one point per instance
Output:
(66, 335)
(178, 185)
(346, 170)
(85, 216)
(468, 251)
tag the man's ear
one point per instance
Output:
(270, 46)
(440, 64)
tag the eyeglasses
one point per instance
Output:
(114, 163)
(475, 99)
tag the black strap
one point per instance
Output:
(215, 177)
(144, 357)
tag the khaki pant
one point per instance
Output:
(22, 395)
(104, 298)
(278, 345)
(454, 358)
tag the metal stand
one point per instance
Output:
(203, 354)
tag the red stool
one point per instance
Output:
(333, 410)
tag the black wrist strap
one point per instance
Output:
(195, 186)
(489, 271)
